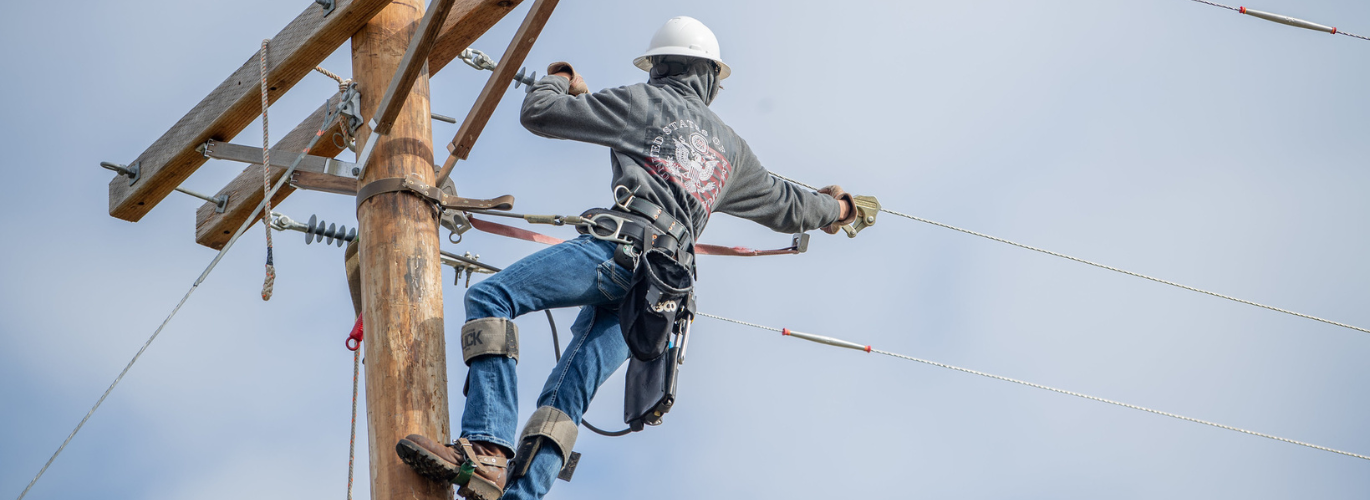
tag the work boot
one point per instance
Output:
(478, 469)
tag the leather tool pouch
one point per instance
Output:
(649, 389)
(659, 295)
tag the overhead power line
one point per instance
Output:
(1102, 266)
(1282, 19)
(251, 218)
(855, 346)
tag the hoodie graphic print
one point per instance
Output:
(683, 154)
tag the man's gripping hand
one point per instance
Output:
(858, 212)
(564, 69)
(847, 215)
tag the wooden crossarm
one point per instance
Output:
(468, 20)
(499, 81)
(292, 53)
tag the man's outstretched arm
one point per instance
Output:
(757, 196)
(558, 109)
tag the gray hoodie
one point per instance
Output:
(670, 149)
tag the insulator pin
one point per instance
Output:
(316, 231)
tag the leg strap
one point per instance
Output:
(480, 337)
(548, 424)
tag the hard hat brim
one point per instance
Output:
(644, 64)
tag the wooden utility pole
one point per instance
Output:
(406, 365)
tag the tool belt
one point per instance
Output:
(660, 252)
(635, 234)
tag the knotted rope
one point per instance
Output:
(268, 287)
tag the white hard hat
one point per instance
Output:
(684, 36)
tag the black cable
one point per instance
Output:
(556, 349)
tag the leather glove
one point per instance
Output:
(848, 206)
(578, 86)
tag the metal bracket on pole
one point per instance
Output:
(365, 155)
(327, 6)
(249, 154)
(130, 171)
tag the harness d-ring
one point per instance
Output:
(623, 201)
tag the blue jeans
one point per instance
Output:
(580, 272)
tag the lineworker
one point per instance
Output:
(674, 163)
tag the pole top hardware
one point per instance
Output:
(327, 5)
(527, 81)
(481, 61)
(130, 171)
(315, 230)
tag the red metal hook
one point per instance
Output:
(354, 339)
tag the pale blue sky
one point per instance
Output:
(1165, 137)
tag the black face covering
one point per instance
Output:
(693, 74)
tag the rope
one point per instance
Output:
(342, 82)
(268, 286)
(1070, 393)
(1103, 266)
(241, 229)
(352, 442)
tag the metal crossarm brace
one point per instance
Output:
(499, 81)
(294, 52)
(253, 155)
(324, 182)
(468, 20)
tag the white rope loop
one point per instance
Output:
(1061, 391)
(1101, 266)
